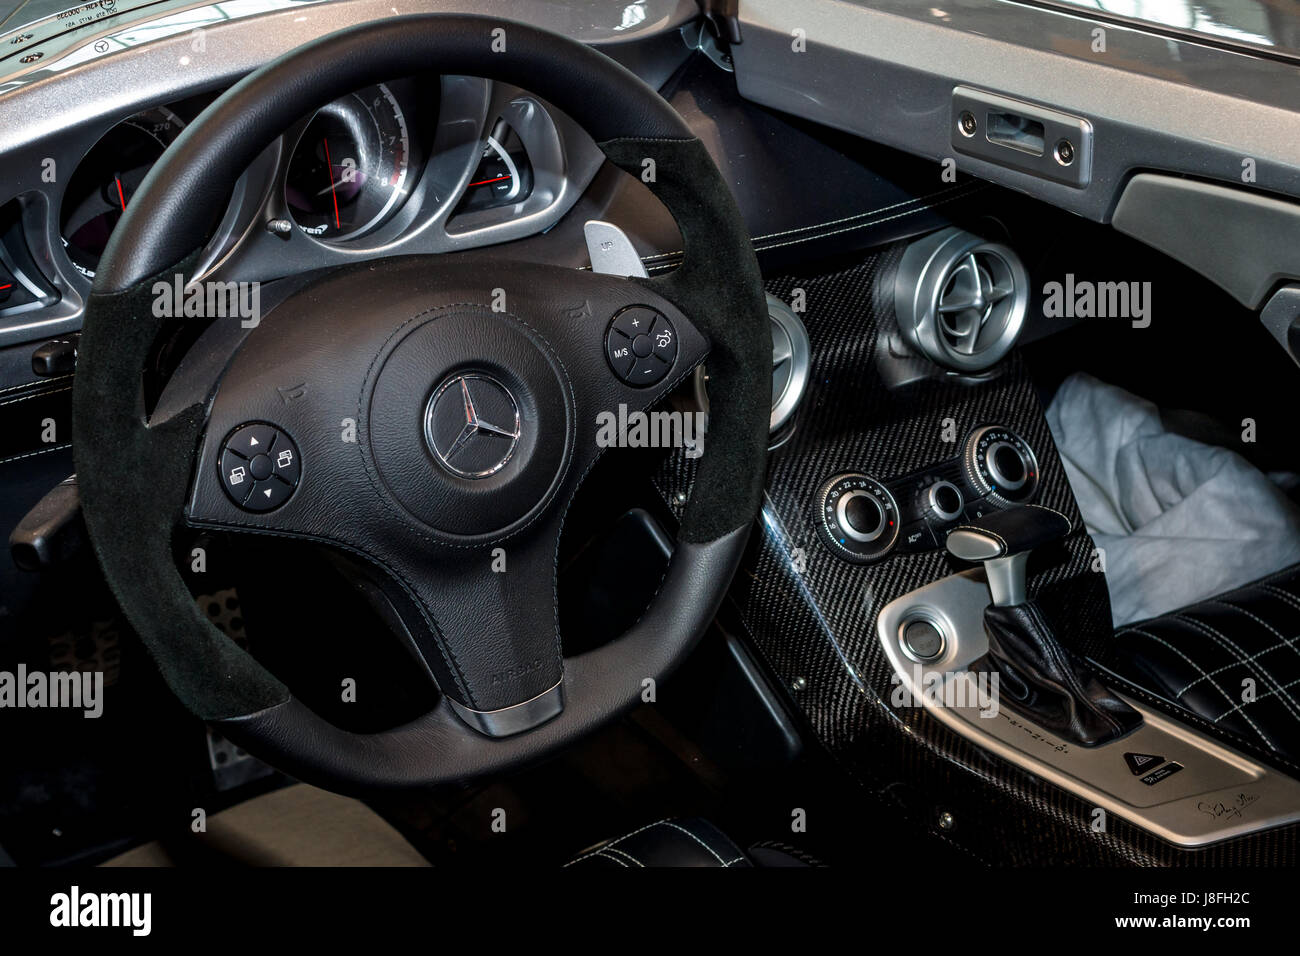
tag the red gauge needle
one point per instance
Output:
(329, 168)
(120, 197)
(495, 179)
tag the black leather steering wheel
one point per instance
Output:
(402, 347)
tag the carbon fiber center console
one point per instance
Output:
(812, 609)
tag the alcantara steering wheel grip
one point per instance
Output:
(387, 344)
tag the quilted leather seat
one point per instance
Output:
(1207, 657)
(686, 841)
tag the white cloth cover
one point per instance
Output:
(1179, 521)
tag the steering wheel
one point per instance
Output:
(473, 387)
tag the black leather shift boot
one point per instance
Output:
(1040, 679)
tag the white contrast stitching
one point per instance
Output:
(31, 454)
(1275, 681)
(1228, 697)
(835, 222)
(612, 849)
(616, 842)
(696, 839)
(1278, 592)
(1269, 693)
(821, 235)
(35, 395)
(35, 384)
(1225, 667)
(1057, 513)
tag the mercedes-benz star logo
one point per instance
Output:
(472, 425)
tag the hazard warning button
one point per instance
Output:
(1141, 763)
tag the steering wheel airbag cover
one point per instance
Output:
(482, 342)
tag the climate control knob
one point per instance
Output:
(857, 517)
(1000, 465)
(943, 501)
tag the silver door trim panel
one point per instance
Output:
(888, 72)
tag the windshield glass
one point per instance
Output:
(42, 36)
(1264, 24)
(34, 32)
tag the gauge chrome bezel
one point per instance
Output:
(134, 120)
(402, 164)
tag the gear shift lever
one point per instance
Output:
(1003, 540)
(1043, 679)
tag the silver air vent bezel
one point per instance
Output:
(927, 301)
(791, 361)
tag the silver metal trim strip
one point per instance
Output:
(1214, 793)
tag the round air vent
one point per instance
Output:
(960, 299)
(791, 361)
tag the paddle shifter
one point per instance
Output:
(1038, 676)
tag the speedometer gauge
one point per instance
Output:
(106, 180)
(348, 172)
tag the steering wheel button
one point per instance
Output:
(647, 371)
(259, 466)
(663, 337)
(235, 477)
(285, 459)
(619, 352)
(250, 440)
(641, 346)
(268, 494)
(634, 320)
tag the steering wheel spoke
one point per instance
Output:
(485, 621)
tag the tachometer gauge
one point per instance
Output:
(348, 172)
(503, 175)
(106, 180)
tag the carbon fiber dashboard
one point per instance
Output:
(812, 615)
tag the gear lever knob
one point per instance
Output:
(1003, 540)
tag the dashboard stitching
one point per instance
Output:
(48, 381)
(824, 235)
(43, 394)
(900, 215)
(967, 187)
(31, 454)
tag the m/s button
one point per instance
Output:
(641, 345)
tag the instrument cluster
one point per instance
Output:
(363, 175)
